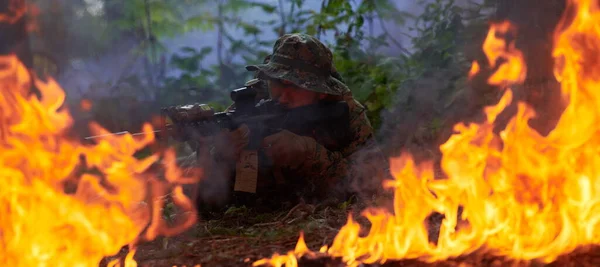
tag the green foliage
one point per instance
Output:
(194, 80)
(438, 30)
(380, 81)
(377, 80)
(237, 210)
(169, 211)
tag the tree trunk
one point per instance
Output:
(13, 30)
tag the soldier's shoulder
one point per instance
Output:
(356, 108)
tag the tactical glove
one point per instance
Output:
(227, 145)
(239, 139)
(290, 150)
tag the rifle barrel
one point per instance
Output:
(118, 133)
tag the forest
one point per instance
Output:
(382, 72)
(419, 73)
(410, 69)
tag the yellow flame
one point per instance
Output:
(56, 210)
(524, 195)
(496, 47)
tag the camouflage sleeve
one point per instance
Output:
(357, 169)
(193, 144)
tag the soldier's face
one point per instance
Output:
(291, 96)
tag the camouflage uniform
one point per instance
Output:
(331, 169)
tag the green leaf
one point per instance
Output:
(188, 49)
(360, 20)
(206, 50)
(249, 29)
(235, 6)
(269, 9)
(298, 3)
(204, 22)
(334, 5)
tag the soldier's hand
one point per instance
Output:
(239, 139)
(288, 149)
(227, 145)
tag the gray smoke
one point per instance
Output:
(100, 76)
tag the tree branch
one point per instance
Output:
(384, 28)
(220, 30)
(151, 41)
(283, 19)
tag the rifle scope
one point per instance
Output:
(238, 95)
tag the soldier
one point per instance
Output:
(300, 72)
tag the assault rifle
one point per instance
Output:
(327, 120)
(264, 118)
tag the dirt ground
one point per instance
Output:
(241, 236)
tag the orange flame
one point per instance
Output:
(85, 105)
(495, 48)
(474, 69)
(524, 195)
(289, 259)
(16, 10)
(56, 210)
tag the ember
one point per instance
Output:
(58, 211)
(525, 196)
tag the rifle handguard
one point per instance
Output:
(187, 119)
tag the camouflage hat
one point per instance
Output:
(257, 74)
(262, 89)
(304, 61)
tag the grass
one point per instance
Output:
(242, 235)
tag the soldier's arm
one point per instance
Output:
(357, 168)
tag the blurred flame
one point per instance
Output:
(63, 203)
(496, 47)
(289, 259)
(474, 69)
(524, 195)
(16, 10)
(85, 105)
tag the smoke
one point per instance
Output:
(83, 75)
(99, 73)
(100, 76)
(424, 112)
(400, 35)
(425, 109)
(214, 190)
(367, 170)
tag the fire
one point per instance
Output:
(86, 105)
(474, 69)
(496, 48)
(63, 203)
(16, 10)
(289, 259)
(523, 195)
